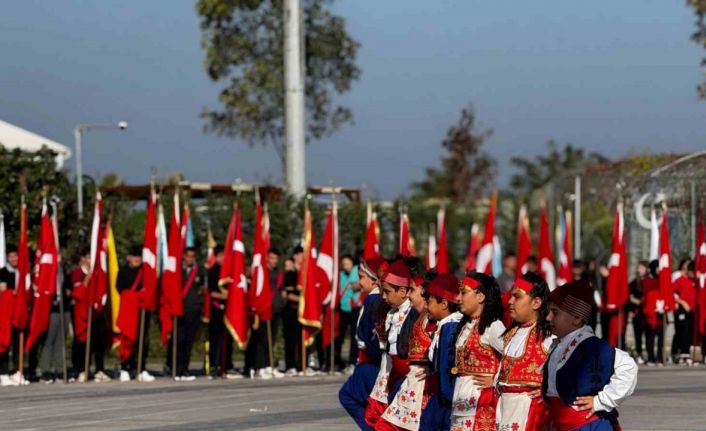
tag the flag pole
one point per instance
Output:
(87, 356)
(62, 318)
(303, 352)
(20, 363)
(269, 345)
(334, 285)
(140, 340)
(174, 346)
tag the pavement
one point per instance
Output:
(668, 398)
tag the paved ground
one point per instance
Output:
(666, 399)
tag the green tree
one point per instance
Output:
(538, 172)
(466, 170)
(699, 36)
(243, 40)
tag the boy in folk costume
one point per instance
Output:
(415, 405)
(354, 393)
(585, 378)
(527, 342)
(393, 333)
(477, 347)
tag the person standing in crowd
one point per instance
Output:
(583, 373)
(478, 346)
(350, 303)
(52, 359)
(8, 281)
(507, 277)
(187, 325)
(278, 303)
(634, 308)
(218, 338)
(290, 315)
(531, 264)
(654, 316)
(685, 299)
(393, 333)
(527, 343)
(130, 280)
(354, 393)
(99, 329)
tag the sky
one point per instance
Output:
(614, 77)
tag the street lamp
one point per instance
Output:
(79, 130)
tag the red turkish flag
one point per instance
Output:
(546, 257)
(371, 247)
(47, 262)
(171, 300)
(665, 265)
(700, 267)
(442, 257)
(565, 274)
(23, 285)
(149, 256)
(617, 283)
(473, 246)
(406, 241)
(259, 294)
(327, 275)
(98, 273)
(309, 299)
(484, 259)
(524, 241)
(236, 313)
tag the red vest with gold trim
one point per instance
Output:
(420, 340)
(525, 370)
(475, 358)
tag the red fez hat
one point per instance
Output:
(444, 286)
(397, 273)
(372, 266)
(576, 298)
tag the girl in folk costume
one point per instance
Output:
(415, 405)
(478, 347)
(585, 377)
(527, 342)
(393, 334)
(354, 393)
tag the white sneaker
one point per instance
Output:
(349, 370)
(310, 372)
(124, 376)
(264, 374)
(6, 380)
(188, 378)
(82, 377)
(101, 377)
(234, 376)
(19, 379)
(277, 374)
(292, 372)
(145, 377)
(252, 373)
(640, 361)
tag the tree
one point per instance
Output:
(536, 173)
(466, 170)
(699, 36)
(244, 40)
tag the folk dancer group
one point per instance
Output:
(439, 354)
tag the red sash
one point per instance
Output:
(565, 417)
(364, 358)
(400, 368)
(190, 281)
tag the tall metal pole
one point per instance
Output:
(693, 218)
(79, 171)
(294, 98)
(577, 217)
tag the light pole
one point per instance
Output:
(79, 130)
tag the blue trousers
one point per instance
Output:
(353, 396)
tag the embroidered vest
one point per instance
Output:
(525, 370)
(420, 340)
(476, 358)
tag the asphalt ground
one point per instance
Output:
(669, 398)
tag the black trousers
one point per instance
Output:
(292, 337)
(13, 352)
(683, 332)
(650, 335)
(220, 343)
(638, 327)
(347, 329)
(187, 326)
(130, 364)
(99, 344)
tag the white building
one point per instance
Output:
(12, 137)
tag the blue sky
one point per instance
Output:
(615, 77)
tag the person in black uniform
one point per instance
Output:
(219, 342)
(290, 315)
(193, 286)
(130, 278)
(634, 307)
(8, 280)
